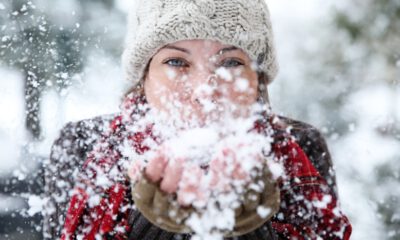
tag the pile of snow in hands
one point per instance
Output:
(221, 158)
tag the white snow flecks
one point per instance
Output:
(36, 204)
(323, 203)
(263, 211)
(206, 226)
(224, 74)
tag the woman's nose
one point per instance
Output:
(212, 81)
(206, 89)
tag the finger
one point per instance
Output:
(172, 175)
(156, 166)
(219, 175)
(135, 171)
(239, 173)
(190, 186)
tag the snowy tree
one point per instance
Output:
(374, 28)
(48, 41)
(351, 90)
(378, 31)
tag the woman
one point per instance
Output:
(198, 68)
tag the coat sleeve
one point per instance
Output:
(314, 146)
(68, 153)
(309, 206)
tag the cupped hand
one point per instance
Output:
(170, 186)
(177, 174)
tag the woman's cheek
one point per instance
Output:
(241, 92)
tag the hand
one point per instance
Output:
(232, 164)
(174, 175)
(171, 186)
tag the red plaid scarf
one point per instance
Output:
(100, 204)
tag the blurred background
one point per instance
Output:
(339, 70)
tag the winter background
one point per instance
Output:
(339, 70)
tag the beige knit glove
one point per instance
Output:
(164, 210)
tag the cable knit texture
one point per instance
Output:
(241, 23)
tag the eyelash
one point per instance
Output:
(180, 63)
(231, 60)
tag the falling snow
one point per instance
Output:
(347, 86)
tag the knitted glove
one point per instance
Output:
(169, 190)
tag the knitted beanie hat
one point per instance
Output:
(241, 23)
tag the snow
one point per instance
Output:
(361, 152)
(194, 141)
(11, 118)
(242, 85)
(362, 149)
(98, 93)
(263, 211)
(5, 38)
(232, 154)
(204, 225)
(276, 169)
(171, 74)
(125, 5)
(224, 74)
(323, 203)
(42, 28)
(36, 204)
(357, 153)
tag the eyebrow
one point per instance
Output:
(177, 48)
(227, 49)
(220, 52)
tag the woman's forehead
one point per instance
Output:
(205, 42)
(204, 46)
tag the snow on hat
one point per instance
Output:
(242, 23)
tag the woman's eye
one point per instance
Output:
(176, 62)
(229, 63)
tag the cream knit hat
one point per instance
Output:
(242, 23)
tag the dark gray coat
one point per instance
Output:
(76, 140)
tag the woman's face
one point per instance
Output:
(201, 80)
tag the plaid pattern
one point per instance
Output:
(309, 208)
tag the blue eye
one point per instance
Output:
(229, 63)
(175, 62)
